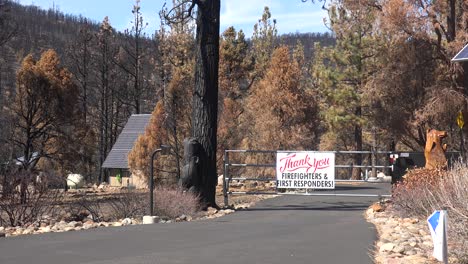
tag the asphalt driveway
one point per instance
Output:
(287, 229)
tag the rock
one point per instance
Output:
(74, 224)
(387, 247)
(387, 179)
(117, 224)
(415, 259)
(89, 225)
(19, 231)
(427, 243)
(377, 207)
(183, 218)
(75, 181)
(45, 229)
(398, 249)
(2, 229)
(220, 180)
(69, 228)
(2, 234)
(211, 211)
(228, 211)
(102, 186)
(126, 221)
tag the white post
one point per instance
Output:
(438, 226)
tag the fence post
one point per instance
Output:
(374, 148)
(225, 175)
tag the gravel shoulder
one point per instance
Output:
(400, 240)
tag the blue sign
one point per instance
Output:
(433, 220)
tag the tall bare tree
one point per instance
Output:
(131, 58)
(205, 93)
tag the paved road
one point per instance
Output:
(287, 229)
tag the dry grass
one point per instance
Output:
(26, 198)
(173, 202)
(423, 191)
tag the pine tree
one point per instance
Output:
(234, 67)
(264, 40)
(44, 108)
(341, 73)
(155, 135)
(283, 115)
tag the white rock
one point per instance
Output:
(88, 225)
(398, 249)
(126, 221)
(387, 179)
(69, 228)
(182, 217)
(220, 180)
(75, 181)
(28, 231)
(387, 247)
(45, 229)
(229, 211)
(74, 224)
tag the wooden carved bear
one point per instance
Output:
(191, 175)
(435, 151)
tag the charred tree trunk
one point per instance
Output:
(205, 95)
(451, 20)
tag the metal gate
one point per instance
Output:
(237, 165)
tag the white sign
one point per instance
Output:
(437, 222)
(305, 170)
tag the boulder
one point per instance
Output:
(126, 221)
(220, 180)
(75, 181)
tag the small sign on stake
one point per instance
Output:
(437, 222)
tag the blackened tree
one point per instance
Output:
(205, 93)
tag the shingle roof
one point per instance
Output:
(118, 156)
